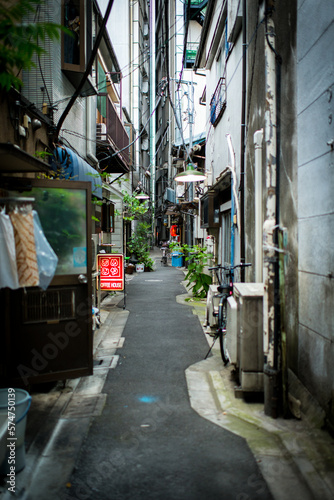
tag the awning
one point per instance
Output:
(71, 166)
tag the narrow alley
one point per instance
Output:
(148, 443)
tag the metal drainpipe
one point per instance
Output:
(270, 265)
(152, 121)
(243, 134)
(233, 197)
(258, 137)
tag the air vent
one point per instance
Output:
(51, 305)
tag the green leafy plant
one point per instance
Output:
(197, 258)
(20, 41)
(43, 155)
(138, 245)
(134, 208)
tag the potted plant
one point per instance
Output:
(148, 263)
(196, 276)
(139, 247)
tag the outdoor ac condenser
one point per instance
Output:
(232, 330)
(212, 307)
(248, 334)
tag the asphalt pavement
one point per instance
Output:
(157, 421)
(149, 443)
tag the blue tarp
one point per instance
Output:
(73, 167)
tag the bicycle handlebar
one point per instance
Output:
(229, 268)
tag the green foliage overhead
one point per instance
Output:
(20, 41)
(134, 208)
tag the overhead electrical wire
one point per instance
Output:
(88, 68)
(140, 133)
(184, 44)
(168, 89)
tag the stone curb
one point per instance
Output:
(296, 460)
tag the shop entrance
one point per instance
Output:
(48, 333)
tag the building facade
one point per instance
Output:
(270, 127)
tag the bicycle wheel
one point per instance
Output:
(222, 329)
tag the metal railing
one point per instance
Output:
(218, 102)
(113, 132)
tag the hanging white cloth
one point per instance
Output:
(8, 269)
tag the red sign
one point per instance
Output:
(111, 268)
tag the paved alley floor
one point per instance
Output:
(148, 443)
(158, 421)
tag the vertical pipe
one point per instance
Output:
(233, 194)
(232, 223)
(270, 255)
(258, 137)
(191, 122)
(152, 121)
(243, 134)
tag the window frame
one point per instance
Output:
(79, 68)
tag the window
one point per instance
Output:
(102, 89)
(77, 47)
(74, 44)
(225, 237)
(107, 218)
(209, 210)
(218, 102)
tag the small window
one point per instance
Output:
(107, 218)
(209, 210)
(76, 46)
(73, 49)
(218, 102)
(226, 237)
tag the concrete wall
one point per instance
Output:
(217, 152)
(315, 80)
(284, 19)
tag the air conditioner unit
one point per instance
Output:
(248, 334)
(232, 330)
(169, 195)
(212, 304)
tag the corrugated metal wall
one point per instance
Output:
(47, 74)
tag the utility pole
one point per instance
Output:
(190, 97)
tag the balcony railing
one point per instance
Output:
(113, 132)
(218, 102)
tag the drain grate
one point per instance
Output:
(85, 406)
(113, 343)
(105, 362)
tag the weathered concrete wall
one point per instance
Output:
(218, 157)
(315, 80)
(284, 19)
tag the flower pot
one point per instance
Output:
(139, 268)
(129, 269)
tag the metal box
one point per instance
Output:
(250, 359)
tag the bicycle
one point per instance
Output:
(225, 290)
(164, 257)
